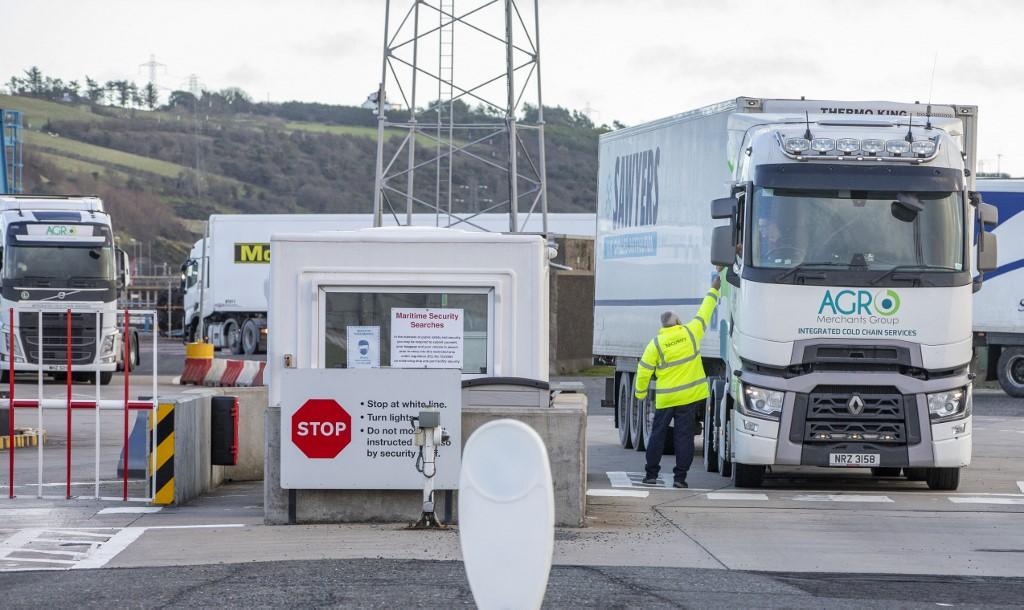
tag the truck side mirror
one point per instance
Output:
(723, 208)
(124, 278)
(988, 215)
(987, 252)
(723, 249)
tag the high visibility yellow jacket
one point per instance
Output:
(673, 357)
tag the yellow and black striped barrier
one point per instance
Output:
(28, 437)
(164, 454)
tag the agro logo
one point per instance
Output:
(860, 302)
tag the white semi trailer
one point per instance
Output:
(850, 235)
(999, 309)
(57, 254)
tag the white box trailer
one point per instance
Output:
(999, 308)
(831, 218)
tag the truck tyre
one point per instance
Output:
(648, 418)
(636, 423)
(748, 475)
(136, 359)
(885, 472)
(622, 410)
(710, 454)
(232, 334)
(106, 377)
(5, 377)
(943, 479)
(250, 337)
(724, 465)
(916, 474)
(1010, 371)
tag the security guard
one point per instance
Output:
(673, 357)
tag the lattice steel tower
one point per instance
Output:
(482, 135)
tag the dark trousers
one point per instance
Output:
(684, 419)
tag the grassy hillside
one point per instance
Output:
(162, 172)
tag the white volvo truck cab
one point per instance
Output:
(852, 250)
(57, 254)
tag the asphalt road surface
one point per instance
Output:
(377, 583)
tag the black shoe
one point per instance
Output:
(650, 481)
(680, 485)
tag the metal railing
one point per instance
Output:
(70, 404)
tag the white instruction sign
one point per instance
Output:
(426, 338)
(363, 347)
(352, 429)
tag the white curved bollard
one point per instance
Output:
(506, 515)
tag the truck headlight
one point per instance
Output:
(108, 344)
(897, 147)
(759, 402)
(872, 146)
(923, 147)
(797, 145)
(948, 405)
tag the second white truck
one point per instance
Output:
(851, 236)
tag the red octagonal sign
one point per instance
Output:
(321, 428)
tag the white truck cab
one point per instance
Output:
(852, 252)
(58, 254)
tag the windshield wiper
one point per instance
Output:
(808, 266)
(911, 268)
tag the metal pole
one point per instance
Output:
(378, 188)
(156, 404)
(542, 164)
(10, 405)
(510, 120)
(96, 415)
(68, 373)
(204, 270)
(412, 116)
(39, 413)
(127, 370)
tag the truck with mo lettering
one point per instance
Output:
(851, 240)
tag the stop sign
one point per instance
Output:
(321, 428)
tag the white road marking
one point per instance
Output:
(633, 480)
(986, 500)
(96, 549)
(24, 512)
(841, 498)
(736, 496)
(618, 493)
(619, 479)
(130, 510)
(1020, 486)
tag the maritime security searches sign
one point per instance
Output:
(352, 429)
(859, 313)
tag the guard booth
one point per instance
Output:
(368, 328)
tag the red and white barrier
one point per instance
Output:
(223, 372)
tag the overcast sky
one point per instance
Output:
(631, 61)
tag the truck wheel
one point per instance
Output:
(885, 472)
(5, 377)
(943, 479)
(622, 410)
(916, 474)
(710, 453)
(136, 359)
(636, 423)
(232, 334)
(250, 337)
(106, 377)
(724, 465)
(1011, 371)
(748, 475)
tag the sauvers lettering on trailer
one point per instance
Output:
(636, 189)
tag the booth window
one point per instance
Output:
(344, 308)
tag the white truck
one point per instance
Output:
(999, 309)
(58, 254)
(232, 301)
(850, 234)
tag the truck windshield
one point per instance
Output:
(859, 229)
(57, 263)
